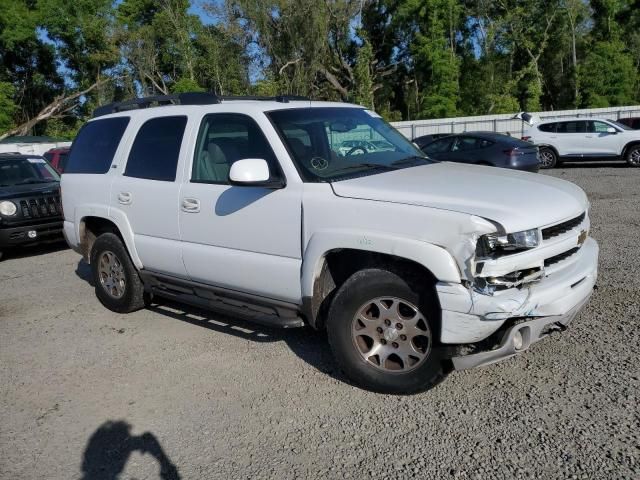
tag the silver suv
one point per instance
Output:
(251, 206)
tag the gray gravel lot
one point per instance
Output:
(86, 393)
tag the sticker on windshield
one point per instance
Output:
(373, 114)
(35, 160)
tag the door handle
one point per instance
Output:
(190, 205)
(124, 198)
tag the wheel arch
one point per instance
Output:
(550, 147)
(626, 148)
(325, 269)
(90, 227)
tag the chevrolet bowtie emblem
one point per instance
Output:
(582, 237)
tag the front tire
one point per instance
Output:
(548, 157)
(117, 283)
(633, 156)
(382, 335)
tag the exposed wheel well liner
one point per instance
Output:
(90, 229)
(338, 265)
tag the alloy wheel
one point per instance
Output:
(111, 274)
(546, 158)
(391, 334)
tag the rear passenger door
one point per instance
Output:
(572, 136)
(147, 193)
(244, 238)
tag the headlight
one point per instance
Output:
(7, 208)
(511, 242)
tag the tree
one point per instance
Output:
(608, 76)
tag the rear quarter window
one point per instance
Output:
(96, 144)
(547, 127)
(156, 149)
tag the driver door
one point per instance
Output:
(244, 238)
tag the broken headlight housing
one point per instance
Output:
(494, 244)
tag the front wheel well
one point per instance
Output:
(628, 146)
(90, 229)
(338, 265)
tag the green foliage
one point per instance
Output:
(363, 78)
(7, 106)
(608, 76)
(186, 84)
(406, 58)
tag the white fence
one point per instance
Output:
(37, 148)
(504, 123)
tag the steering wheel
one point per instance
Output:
(319, 163)
(355, 149)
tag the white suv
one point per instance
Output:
(413, 266)
(583, 139)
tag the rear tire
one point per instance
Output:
(633, 156)
(548, 157)
(117, 283)
(381, 334)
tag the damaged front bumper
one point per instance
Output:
(469, 316)
(519, 338)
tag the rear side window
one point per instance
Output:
(96, 144)
(572, 127)
(547, 127)
(438, 146)
(155, 151)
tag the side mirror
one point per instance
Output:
(611, 130)
(252, 172)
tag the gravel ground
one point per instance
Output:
(168, 393)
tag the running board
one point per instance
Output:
(260, 310)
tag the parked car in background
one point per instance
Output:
(632, 122)
(485, 148)
(425, 140)
(30, 209)
(584, 139)
(412, 266)
(57, 157)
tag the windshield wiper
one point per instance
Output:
(34, 180)
(409, 160)
(367, 165)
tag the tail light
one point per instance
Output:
(526, 138)
(512, 152)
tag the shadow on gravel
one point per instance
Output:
(307, 343)
(32, 251)
(110, 447)
(83, 271)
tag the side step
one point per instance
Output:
(260, 310)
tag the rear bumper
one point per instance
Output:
(529, 332)
(31, 234)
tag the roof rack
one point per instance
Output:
(187, 98)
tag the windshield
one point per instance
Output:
(329, 144)
(23, 171)
(620, 125)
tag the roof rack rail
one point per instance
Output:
(187, 98)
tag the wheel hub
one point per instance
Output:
(391, 334)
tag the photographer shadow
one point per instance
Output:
(110, 447)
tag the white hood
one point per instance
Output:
(516, 200)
